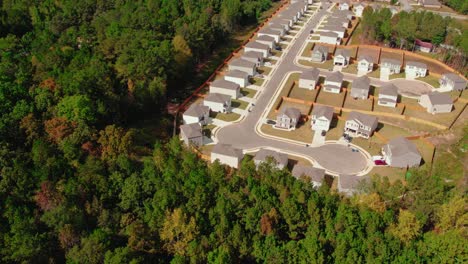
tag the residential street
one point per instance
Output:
(336, 158)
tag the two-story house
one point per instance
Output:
(360, 125)
(322, 116)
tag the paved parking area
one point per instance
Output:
(411, 88)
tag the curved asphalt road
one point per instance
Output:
(335, 158)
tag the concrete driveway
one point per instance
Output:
(334, 158)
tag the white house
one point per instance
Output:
(191, 134)
(255, 57)
(342, 57)
(239, 77)
(314, 175)
(271, 33)
(388, 95)
(401, 153)
(339, 30)
(365, 64)
(281, 21)
(360, 88)
(227, 155)
(333, 83)
(309, 79)
(358, 9)
(243, 65)
(322, 116)
(344, 5)
(266, 40)
(225, 87)
(218, 102)
(360, 125)
(196, 113)
(436, 103)
(288, 118)
(280, 160)
(329, 38)
(319, 53)
(279, 28)
(414, 69)
(389, 67)
(339, 22)
(452, 81)
(258, 47)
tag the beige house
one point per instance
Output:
(309, 79)
(322, 116)
(266, 40)
(258, 47)
(401, 153)
(388, 95)
(342, 57)
(360, 88)
(414, 69)
(243, 65)
(360, 125)
(319, 54)
(253, 56)
(288, 118)
(225, 87)
(452, 82)
(191, 134)
(239, 77)
(436, 103)
(333, 83)
(220, 103)
(389, 67)
(365, 64)
(196, 113)
(271, 33)
(329, 38)
(227, 155)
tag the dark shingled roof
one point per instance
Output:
(280, 158)
(191, 130)
(225, 84)
(323, 110)
(315, 174)
(197, 110)
(388, 89)
(227, 150)
(312, 74)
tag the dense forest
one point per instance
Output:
(458, 5)
(77, 184)
(402, 29)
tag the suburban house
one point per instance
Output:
(358, 9)
(453, 82)
(341, 22)
(430, 3)
(350, 184)
(266, 40)
(288, 118)
(196, 113)
(279, 28)
(319, 53)
(401, 153)
(360, 125)
(423, 46)
(227, 155)
(436, 103)
(239, 77)
(389, 67)
(258, 47)
(263, 155)
(342, 57)
(225, 87)
(289, 15)
(271, 33)
(253, 56)
(322, 116)
(314, 175)
(360, 88)
(414, 69)
(218, 102)
(388, 95)
(241, 64)
(339, 30)
(333, 82)
(343, 14)
(191, 134)
(329, 38)
(344, 5)
(365, 64)
(309, 79)
(281, 21)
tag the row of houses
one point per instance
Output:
(334, 30)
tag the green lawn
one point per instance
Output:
(225, 117)
(256, 81)
(303, 94)
(444, 118)
(326, 65)
(303, 133)
(239, 104)
(248, 92)
(264, 70)
(314, 38)
(336, 128)
(207, 130)
(430, 79)
(307, 52)
(397, 76)
(276, 53)
(358, 104)
(285, 89)
(330, 98)
(352, 68)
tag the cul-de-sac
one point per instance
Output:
(301, 95)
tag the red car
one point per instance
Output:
(380, 162)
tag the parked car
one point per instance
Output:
(271, 122)
(278, 48)
(323, 133)
(380, 162)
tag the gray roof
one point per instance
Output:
(431, 2)
(276, 26)
(400, 146)
(280, 158)
(242, 63)
(439, 98)
(279, 20)
(218, 98)
(361, 83)
(350, 181)
(291, 112)
(364, 119)
(323, 110)
(269, 31)
(253, 54)
(256, 45)
(266, 38)
(388, 89)
(329, 34)
(191, 130)
(454, 77)
(343, 52)
(315, 174)
(366, 57)
(390, 61)
(333, 28)
(227, 150)
(416, 64)
(312, 74)
(197, 110)
(236, 74)
(321, 49)
(335, 77)
(225, 84)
